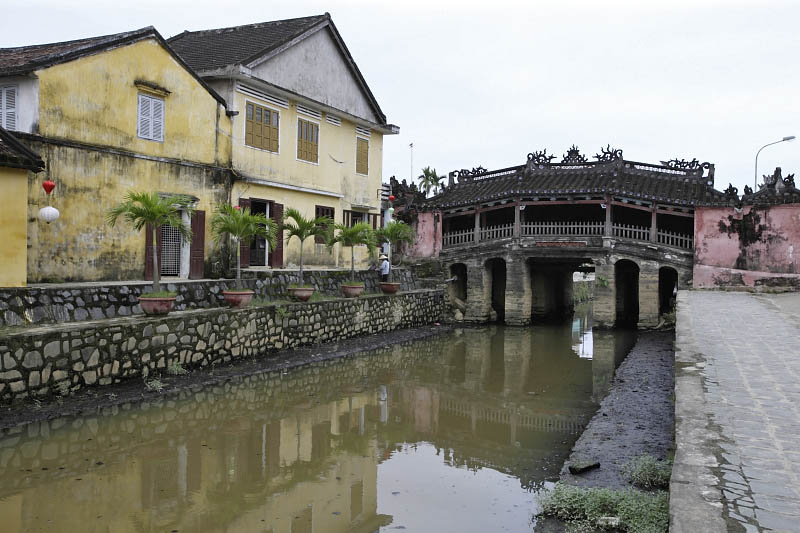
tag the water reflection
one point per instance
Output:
(442, 434)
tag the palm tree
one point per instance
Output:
(395, 232)
(241, 224)
(354, 235)
(429, 180)
(303, 228)
(143, 208)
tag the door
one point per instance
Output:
(197, 250)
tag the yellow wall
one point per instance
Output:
(100, 110)
(13, 227)
(94, 100)
(335, 173)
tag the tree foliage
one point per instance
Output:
(429, 180)
(355, 235)
(296, 225)
(241, 224)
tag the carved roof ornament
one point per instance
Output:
(478, 170)
(608, 154)
(748, 190)
(540, 157)
(732, 193)
(574, 156)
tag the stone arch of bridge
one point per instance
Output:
(667, 285)
(495, 276)
(626, 288)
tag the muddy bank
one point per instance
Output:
(636, 417)
(91, 400)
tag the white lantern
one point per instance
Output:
(390, 210)
(48, 214)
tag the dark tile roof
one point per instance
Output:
(775, 190)
(212, 49)
(15, 154)
(25, 59)
(651, 183)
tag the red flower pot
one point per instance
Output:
(388, 288)
(301, 293)
(352, 291)
(238, 299)
(156, 306)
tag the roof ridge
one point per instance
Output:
(247, 26)
(88, 40)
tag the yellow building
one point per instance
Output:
(111, 114)
(307, 131)
(16, 162)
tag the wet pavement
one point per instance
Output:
(456, 432)
(737, 466)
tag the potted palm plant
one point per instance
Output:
(394, 233)
(143, 210)
(296, 225)
(357, 234)
(239, 224)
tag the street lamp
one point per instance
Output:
(755, 174)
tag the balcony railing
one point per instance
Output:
(566, 229)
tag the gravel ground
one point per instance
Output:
(637, 416)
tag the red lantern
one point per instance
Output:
(48, 186)
(237, 207)
(391, 197)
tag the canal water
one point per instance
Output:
(453, 433)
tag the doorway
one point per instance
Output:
(259, 252)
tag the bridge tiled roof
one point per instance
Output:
(678, 183)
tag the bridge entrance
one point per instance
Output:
(626, 281)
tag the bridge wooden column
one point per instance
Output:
(518, 292)
(608, 230)
(653, 225)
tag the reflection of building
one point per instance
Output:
(301, 452)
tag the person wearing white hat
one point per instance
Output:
(384, 267)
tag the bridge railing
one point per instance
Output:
(532, 229)
(503, 231)
(567, 229)
(671, 238)
(629, 231)
(457, 238)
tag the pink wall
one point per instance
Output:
(428, 235)
(756, 246)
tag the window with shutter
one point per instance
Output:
(150, 118)
(362, 156)
(307, 141)
(261, 127)
(323, 211)
(8, 107)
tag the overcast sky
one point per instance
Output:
(488, 83)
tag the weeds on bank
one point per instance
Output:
(176, 369)
(647, 472)
(154, 384)
(588, 509)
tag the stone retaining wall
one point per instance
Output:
(58, 359)
(77, 302)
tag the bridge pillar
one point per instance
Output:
(569, 305)
(518, 292)
(604, 309)
(648, 294)
(478, 297)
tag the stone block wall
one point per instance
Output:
(56, 359)
(77, 302)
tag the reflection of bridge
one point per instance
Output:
(513, 237)
(476, 412)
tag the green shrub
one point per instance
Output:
(176, 369)
(647, 472)
(159, 294)
(353, 283)
(580, 508)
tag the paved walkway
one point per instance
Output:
(737, 465)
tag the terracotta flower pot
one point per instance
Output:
(301, 293)
(388, 287)
(238, 299)
(352, 291)
(156, 306)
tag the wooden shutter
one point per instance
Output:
(273, 129)
(157, 107)
(249, 125)
(8, 108)
(244, 247)
(276, 256)
(145, 125)
(148, 250)
(197, 248)
(362, 156)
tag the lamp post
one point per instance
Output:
(755, 173)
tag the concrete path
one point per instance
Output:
(737, 413)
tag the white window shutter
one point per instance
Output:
(158, 119)
(8, 106)
(145, 124)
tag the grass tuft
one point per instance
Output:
(176, 369)
(647, 472)
(159, 294)
(581, 508)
